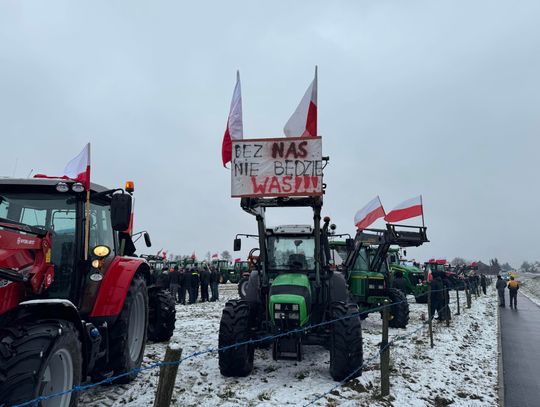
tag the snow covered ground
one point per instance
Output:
(461, 370)
(530, 286)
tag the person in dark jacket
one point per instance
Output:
(194, 286)
(483, 283)
(183, 286)
(174, 280)
(500, 286)
(437, 295)
(513, 287)
(187, 284)
(399, 282)
(205, 281)
(214, 283)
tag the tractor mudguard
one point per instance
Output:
(338, 288)
(115, 284)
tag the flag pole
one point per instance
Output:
(87, 214)
(422, 205)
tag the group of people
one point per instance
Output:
(190, 279)
(513, 287)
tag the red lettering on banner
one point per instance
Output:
(274, 185)
(287, 187)
(258, 188)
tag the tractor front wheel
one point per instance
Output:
(236, 361)
(346, 352)
(162, 315)
(127, 337)
(38, 359)
(242, 285)
(399, 310)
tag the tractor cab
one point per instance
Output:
(415, 279)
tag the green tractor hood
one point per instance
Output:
(290, 297)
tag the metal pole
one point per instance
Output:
(385, 352)
(430, 319)
(87, 224)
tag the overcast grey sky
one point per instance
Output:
(440, 98)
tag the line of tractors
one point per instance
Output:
(78, 305)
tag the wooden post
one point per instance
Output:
(468, 293)
(385, 352)
(447, 306)
(430, 319)
(457, 296)
(167, 377)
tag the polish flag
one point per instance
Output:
(411, 208)
(303, 122)
(235, 128)
(78, 169)
(369, 214)
(237, 260)
(215, 256)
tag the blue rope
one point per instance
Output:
(83, 388)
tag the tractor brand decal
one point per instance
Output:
(24, 241)
(277, 167)
(4, 283)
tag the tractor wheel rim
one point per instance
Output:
(57, 377)
(136, 327)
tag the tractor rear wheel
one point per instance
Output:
(234, 327)
(127, 337)
(161, 315)
(40, 358)
(399, 310)
(346, 353)
(242, 285)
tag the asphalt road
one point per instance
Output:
(520, 337)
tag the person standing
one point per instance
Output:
(214, 283)
(174, 282)
(483, 283)
(399, 282)
(513, 287)
(437, 295)
(194, 285)
(205, 281)
(183, 286)
(187, 285)
(500, 286)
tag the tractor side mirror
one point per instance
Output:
(120, 211)
(147, 240)
(237, 244)
(350, 244)
(404, 253)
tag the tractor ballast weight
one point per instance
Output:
(291, 287)
(367, 273)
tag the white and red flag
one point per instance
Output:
(410, 208)
(235, 127)
(78, 169)
(215, 256)
(369, 213)
(237, 260)
(303, 122)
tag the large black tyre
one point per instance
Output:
(39, 358)
(399, 310)
(161, 315)
(234, 327)
(127, 337)
(242, 285)
(346, 354)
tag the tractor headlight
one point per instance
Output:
(294, 315)
(62, 187)
(77, 187)
(372, 286)
(277, 306)
(381, 287)
(295, 307)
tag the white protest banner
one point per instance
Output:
(276, 167)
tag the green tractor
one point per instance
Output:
(367, 272)
(223, 267)
(290, 289)
(414, 277)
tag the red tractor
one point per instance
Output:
(74, 298)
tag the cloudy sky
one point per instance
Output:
(440, 98)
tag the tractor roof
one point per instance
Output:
(292, 229)
(45, 182)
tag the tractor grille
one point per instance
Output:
(376, 287)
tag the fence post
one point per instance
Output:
(430, 319)
(167, 377)
(447, 306)
(385, 353)
(457, 296)
(468, 293)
